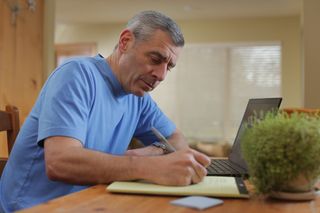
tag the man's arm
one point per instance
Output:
(67, 161)
(176, 139)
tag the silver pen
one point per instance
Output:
(163, 140)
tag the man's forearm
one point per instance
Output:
(178, 140)
(67, 161)
(85, 167)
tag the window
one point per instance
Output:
(65, 51)
(207, 93)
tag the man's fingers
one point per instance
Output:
(200, 161)
(199, 165)
(183, 167)
(199, 172)
(201, 158)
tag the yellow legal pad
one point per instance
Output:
(215, 186)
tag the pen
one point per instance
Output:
(163, 140)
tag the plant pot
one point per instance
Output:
(300, 188)
(295, 196)
(278, 148)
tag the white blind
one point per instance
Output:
(207, 92)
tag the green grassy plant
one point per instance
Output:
(280, 148)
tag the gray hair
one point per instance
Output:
(145, 23)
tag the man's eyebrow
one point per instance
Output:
(163, 58)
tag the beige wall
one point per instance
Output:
(105, 35)
(286, 30)
(311, 44)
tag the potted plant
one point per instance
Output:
(282, 151)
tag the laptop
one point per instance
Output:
(235, 165)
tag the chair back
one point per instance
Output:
(9, 122)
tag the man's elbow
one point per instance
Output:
(52, 171)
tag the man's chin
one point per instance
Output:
(139, 93)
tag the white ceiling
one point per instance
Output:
(102, 11)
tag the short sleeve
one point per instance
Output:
(66, 103)
(152, 116)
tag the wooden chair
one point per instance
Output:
(9, 122)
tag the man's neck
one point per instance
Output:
(113, 61)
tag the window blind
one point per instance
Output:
(206, 94)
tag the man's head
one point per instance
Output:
(147, 49)
(144, 25)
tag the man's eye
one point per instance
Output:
(155, 60)
(170, 67)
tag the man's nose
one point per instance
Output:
(160, 72)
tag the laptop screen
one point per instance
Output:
(253, 106)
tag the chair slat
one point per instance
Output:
(5, 121)
(9, 122)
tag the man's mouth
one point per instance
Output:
(150, 85)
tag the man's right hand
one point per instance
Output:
(180, 168)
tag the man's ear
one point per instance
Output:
(126, 40)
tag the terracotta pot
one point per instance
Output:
(300, 184)
(300, 188)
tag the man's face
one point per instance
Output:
(144, 64)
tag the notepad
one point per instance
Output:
(216, 186)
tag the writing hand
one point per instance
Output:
(180, 168)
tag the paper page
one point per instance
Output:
(210, 186)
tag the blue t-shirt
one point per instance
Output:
(81, 99)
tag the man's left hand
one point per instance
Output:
(145, 151)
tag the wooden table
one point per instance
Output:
(97, 199)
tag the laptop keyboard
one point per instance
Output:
(223, 167)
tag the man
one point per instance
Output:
(78, 132)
